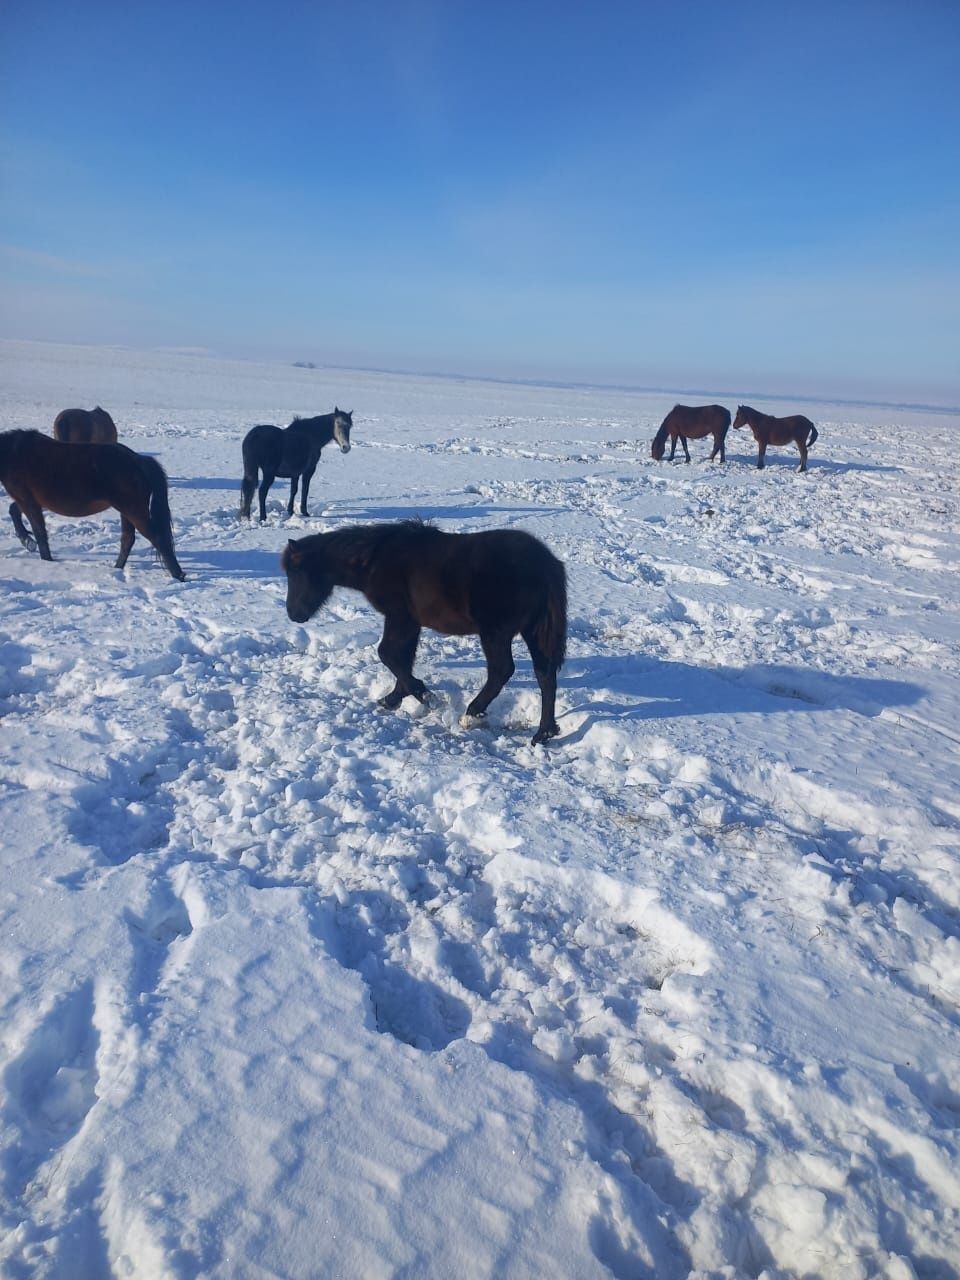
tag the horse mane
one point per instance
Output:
(12, 442)
(360, 543)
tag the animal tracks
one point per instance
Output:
(50, 1087)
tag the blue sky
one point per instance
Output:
(728, 195)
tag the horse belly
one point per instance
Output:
(66, 506)
(432, 609)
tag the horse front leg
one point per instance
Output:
(39, 526)
(497, 651)
(686, 451)
(397, 650)
(305, 489)
(673, 447)
(28, 540)
(546, 673)
(761, 454)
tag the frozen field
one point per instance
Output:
(293, 987)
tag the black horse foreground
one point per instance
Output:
(495, 584)
(292, 452)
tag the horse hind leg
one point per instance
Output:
(265, 483)
(294, 480)
(158, 538)
(397, 650)
(546, 673)
(803, 454)
(248, 487)
(128, 534)
(500, 667)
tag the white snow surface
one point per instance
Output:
(295, 987)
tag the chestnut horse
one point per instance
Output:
(495, 584)
(766, 430)
(80, 480)
(84, 426)
(695, 422)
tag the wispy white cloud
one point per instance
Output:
(47, 261)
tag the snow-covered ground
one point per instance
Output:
(295, 987)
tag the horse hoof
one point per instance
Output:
(543, 735)
(470, 721)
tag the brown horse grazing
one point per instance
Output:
(80, 480)
(695, 422)
(495, 584)
(84, 426)
(766, 430)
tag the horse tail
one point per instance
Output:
(161, 525)
(551, 628)
(813, 435)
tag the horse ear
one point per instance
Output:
(336, 409)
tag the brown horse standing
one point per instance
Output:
(695, 421)
(80, 480)
(84, 426)
(766, 430)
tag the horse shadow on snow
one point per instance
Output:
(669, 689)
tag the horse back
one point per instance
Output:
(492, 580)
(696, 421)
(84, 426)
(75, 479)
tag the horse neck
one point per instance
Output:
(348, 559)
(756, 418)
(321, 427)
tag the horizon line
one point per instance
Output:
(501, 380)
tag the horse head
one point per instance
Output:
(742, 420)
(309, 581)
(342, 422)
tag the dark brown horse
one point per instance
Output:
(495, 584)
(80, 480)
(694, 422)
(84, 426)
(766, 430)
